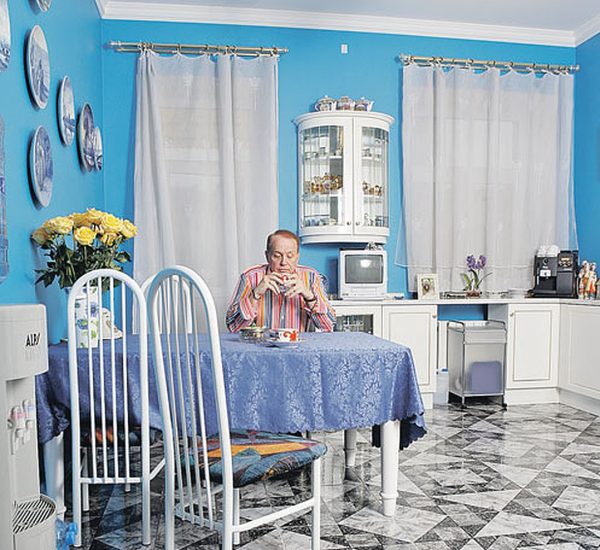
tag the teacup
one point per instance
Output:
(287, 334)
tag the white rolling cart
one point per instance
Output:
(476, 359)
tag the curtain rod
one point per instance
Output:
(193, 49)
(486, 64)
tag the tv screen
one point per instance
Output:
(364, 269)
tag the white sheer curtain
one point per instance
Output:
(487, 170)
(205, 165)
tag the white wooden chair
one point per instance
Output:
(104, 443)
(200, 464)
(145, 286)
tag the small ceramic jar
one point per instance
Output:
(363, 104)
(344, 103)
(325, 104)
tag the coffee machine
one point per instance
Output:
(555, 273)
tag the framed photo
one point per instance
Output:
(427, 286)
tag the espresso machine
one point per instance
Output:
(555, 273)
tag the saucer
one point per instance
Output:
(271, 343)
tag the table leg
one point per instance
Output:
(54, 471)
(350, 447)
(390, 441)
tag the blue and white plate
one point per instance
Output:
(97, 149)
(85, 137)
(38, 67)
(4, 35)
(66, 111)
(43, 5)
(41, 166)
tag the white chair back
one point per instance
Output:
(191, 398)
(105, 416)
(177, 351)
(145, 286)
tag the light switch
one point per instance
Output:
(344, 48)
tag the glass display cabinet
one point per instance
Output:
(343, 176)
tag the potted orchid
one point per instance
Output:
(474, 276)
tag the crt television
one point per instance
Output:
(362, 274)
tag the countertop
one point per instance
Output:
(465, 301)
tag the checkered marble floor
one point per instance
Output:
(482, 478)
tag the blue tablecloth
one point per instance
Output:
(330, 381)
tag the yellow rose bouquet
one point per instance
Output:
(80, 243)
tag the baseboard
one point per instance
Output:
(427, 400)
(530, 396)
(578, 401)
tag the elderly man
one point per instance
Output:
(280, 293)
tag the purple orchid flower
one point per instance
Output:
(473, 278)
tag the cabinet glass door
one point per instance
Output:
(322, 168)
(355, 323)
(372, 189)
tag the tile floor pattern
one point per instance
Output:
(481, 479)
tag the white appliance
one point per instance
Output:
(27, 519)
(362, 274)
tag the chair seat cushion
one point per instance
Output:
(135, 436)
(262, 455)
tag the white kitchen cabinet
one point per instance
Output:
(343, 176)
(579, 379)
(358, 318)
(532, 350)
(415, 326)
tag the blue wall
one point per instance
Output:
(72, 29)
(313, 67)
(587, 149)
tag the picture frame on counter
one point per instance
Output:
(428, 286)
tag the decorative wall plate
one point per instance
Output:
(66, 111)
(43, 5)
(41, 166)
(97, 149)
(4, 35)
(38, 67)
(85, 137)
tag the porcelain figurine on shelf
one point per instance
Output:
(582, 277)
(591, 283)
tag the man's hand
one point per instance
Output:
(294, 285)
(271, 281)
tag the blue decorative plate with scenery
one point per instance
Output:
(85, 137)
(41, 166)
(66, 111)
(4, 35)
(97, 149)
(38, 67)
(43, 5)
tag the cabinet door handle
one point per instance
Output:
(434, 316)
(348, 223)
(357, 223)
(512, 314)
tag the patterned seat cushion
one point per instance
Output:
(135, 436)
(261, 455)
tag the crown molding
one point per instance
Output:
(588, 30)
(101, 6)
(140, 11)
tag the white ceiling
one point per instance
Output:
(553, 22)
